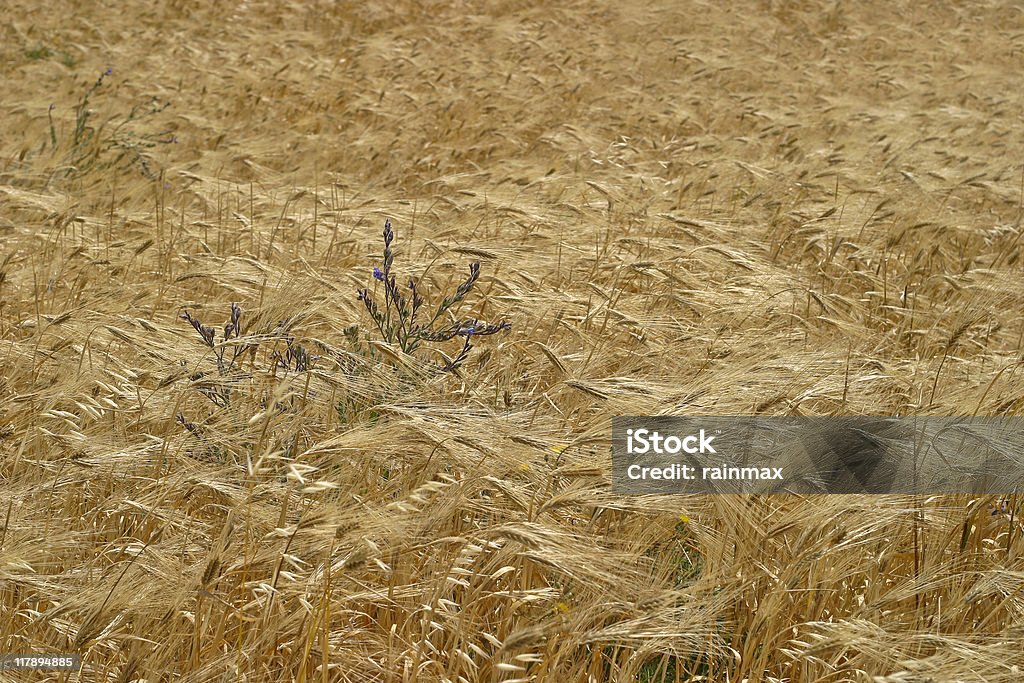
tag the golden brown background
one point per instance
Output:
(682, 207)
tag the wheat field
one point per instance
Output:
(697, 208)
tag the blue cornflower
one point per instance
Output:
(378, 274)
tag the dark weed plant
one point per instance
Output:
(226, 364)
(113, 143)
(235, 346)
(295, 358)
(40, 52)
(402, 320)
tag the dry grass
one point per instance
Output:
(773, 208)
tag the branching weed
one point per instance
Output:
(401, 320)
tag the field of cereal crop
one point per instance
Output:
(216, 465)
